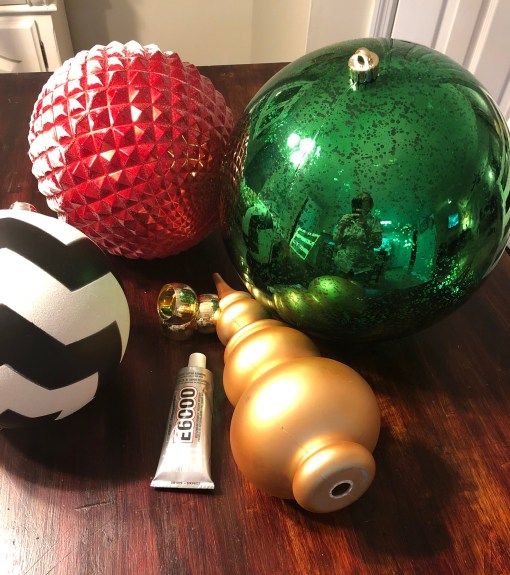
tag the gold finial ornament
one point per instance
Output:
(304, 426)
(236, 310)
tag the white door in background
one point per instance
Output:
(475, 33)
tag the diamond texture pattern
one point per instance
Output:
(126, 142)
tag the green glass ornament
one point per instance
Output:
(366, 189)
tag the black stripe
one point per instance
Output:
(74, 265)
(13, 419)
(49, 363)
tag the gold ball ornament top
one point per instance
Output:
(304, 426)
(181, 312)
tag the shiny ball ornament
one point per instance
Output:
(304, 426)
(366, 189)
(64, 319)
(125, 142)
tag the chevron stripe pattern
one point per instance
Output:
(64, 319)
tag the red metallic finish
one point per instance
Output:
(125, 142)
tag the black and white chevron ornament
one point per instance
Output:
(64, 319)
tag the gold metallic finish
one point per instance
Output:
(240, 312)
(309, 423)
(208, 310)
(304, 426)
(223, 288)
(237, 309)
(363, 66)
(177, 308)
(258, 348)
(333, 477)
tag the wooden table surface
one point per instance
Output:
(75, 496)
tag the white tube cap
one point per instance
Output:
(197, 360)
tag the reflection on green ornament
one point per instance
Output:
(367, 203)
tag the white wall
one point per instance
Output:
(201, 31)
(220, 31)
(279, 30)
(333, 21)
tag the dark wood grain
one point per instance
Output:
(75, 496)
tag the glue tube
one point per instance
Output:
(185, 460)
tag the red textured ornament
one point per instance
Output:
(126, 142)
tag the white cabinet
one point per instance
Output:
(20, 49)
(33, 38)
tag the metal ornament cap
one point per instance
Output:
(177, 309)
(208, 309)
(333, 477)
(363, 66)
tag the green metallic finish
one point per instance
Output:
(367, 211)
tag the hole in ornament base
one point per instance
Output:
(341, 489)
